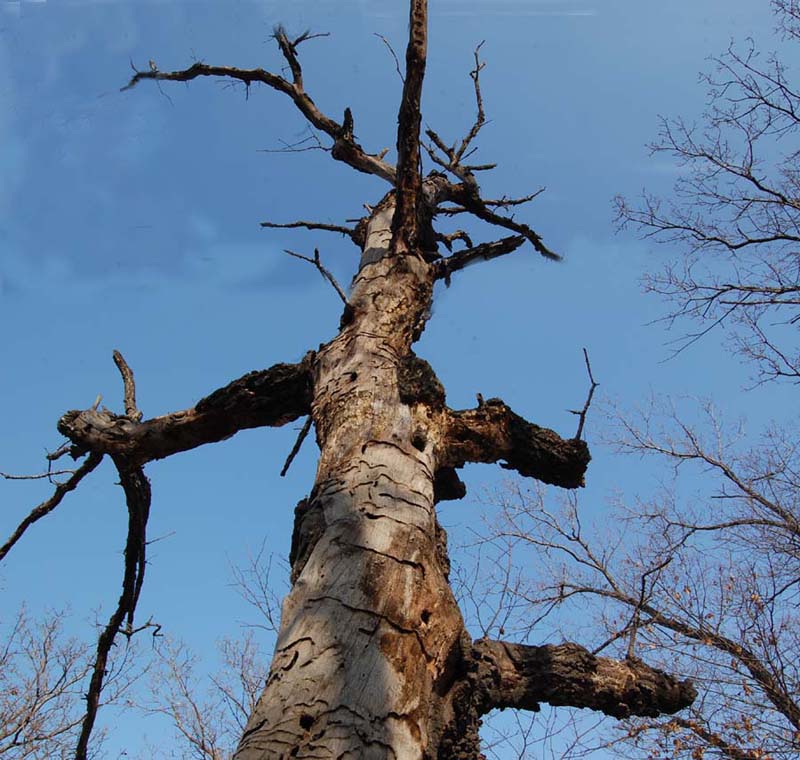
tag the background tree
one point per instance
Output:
(43, 675)
(373, 658)
(704, 572)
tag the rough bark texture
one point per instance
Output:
(357, 671)
(514, 675)
(372, 656)
(270, 397)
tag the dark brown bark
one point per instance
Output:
(46, 507)
(515, 675)
(492, 433)
(405, 224)
(137, 497)
(266, 398)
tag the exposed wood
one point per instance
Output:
(266, 398)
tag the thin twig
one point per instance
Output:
(297, 444)
(349, 231)
(394, 55)
(480, 119)
(40, 476)
(48, 506)
(299, 146)
(582, 413)
(633, 625)
(324, 272)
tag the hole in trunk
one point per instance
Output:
(306, 721)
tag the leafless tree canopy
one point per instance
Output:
(736, 208)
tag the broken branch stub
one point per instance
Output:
(266, 398)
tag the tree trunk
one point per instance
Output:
(372, 658)
(370, 632)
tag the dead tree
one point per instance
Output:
(373, 659)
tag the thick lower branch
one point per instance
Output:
(266, 398)
(519, 676)
(492, 433)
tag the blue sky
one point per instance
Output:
(129, 220)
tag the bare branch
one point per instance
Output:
(349, 231)
(269, 397)
(505, 202)
(393, 54)
(492, 433)
(297, 444)
(48, 506)
(39, 476)
(483, 252)
(582, 413)
(480, 119)
(449, 239)
(137, 495)
(322, 270)
(468, 199)
(344, 146)
(523, 676)
(405, 230)
(290, 54)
